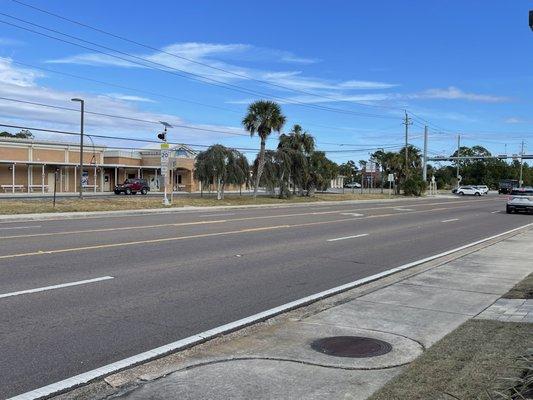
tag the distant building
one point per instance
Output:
(29, 165)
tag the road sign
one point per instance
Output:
(165, 157)
(390, 178)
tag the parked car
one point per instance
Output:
(520, 200)
(352, 185)
(468, 190)
(133, 186)
(484, 189)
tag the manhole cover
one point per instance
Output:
(351, 346)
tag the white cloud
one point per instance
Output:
(21, 84)
(127, 97)
(454, 93)
(514, 120)
(213, 55)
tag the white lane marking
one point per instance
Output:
(495, 212)
(353, 214)
(450, 220)
(402, 209)
(215, 215)
(62, 285)
(190, 341)
(21, 227)
(348, 237)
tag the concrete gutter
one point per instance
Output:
(171, 210)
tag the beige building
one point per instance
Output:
(36, 165)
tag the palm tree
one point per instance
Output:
(262, 118)
(301, 144)
(222, 166)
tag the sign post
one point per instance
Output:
(390, 178)
(165, 156)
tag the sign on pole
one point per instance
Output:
(390, 178)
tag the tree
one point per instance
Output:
(221, 165)
(23, 134)
(299, 145)
(321, 171)
(262, 118)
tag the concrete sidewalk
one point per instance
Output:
(275, 360)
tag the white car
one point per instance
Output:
(484, 189)
(520, 200)
(352, 185)
(469, 190)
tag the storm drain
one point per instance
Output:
(351, 346)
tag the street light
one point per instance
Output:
(82, 105)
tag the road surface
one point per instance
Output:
(76, 295)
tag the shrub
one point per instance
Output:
(414, 187)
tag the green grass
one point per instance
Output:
(472, 362)
(522, 290)
(10, 206)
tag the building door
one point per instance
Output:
(107, 182)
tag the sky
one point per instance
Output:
(343, 70)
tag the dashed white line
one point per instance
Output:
(348, 237)
(20, 227)
(495, 212)
(403, 209)
(216, 215)
(450, 220)
(62, 285)
(353, 214)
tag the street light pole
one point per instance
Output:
(521, 182)
(82, 105)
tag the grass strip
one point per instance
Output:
(473, 362)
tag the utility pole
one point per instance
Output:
(425, 166)
(458, 155)
(82, 105)
(521, 182)
(407, 122)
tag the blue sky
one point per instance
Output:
(463, 66)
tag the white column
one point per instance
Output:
(42, 179)
(139, 173)
(94, 189)
(156, 182)
(60, 179)
(13, 179)
(75, 178)
(102, 179)
(29, 176)
(116, 176)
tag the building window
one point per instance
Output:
(179, 179)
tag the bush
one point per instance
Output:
(414, 187)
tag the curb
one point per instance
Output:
(171, 210)
(84, 378)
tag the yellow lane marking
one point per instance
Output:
(124, 228)
(106, 246)
(203, 235)
(77, 232)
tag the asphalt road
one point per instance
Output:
(177, 274)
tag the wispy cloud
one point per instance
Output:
(10, 42)
(127, 97)
(223, 58)
(454, 93)
(22, 84)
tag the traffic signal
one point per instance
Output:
(162, 136)
(531, 19)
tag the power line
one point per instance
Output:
(120, 116)
(171, 70)
(194, 61)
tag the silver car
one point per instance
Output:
(520, 200)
